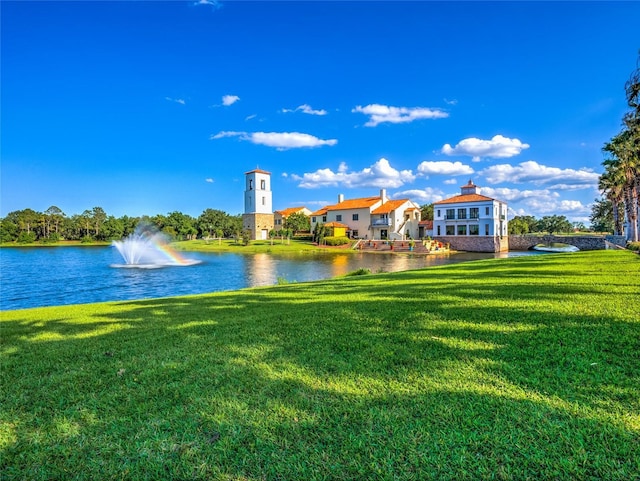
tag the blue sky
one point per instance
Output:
(154, 107)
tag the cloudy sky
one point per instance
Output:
(154, 107)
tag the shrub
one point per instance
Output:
(26, 238)
(363, 271)
(633, 246)
(86, 239)
(336, 241)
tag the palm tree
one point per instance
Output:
(610, 185)
(624, 170)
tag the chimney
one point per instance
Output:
(340, 198)
(383, 195)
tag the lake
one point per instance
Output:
(53, 276)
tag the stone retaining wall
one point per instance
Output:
(475, 243)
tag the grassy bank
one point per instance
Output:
(257, 246)
(524, 368)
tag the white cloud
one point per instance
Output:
(279, 140)
(209, 180)
(214, 3)
(252, 116)
(444, 167)
(427, 195)
(306, 109)
(538, 202)
(179, 101)
(229, 100)
(450, 181)
(397, 115)
(450, 102)
(531, 171)
(380, 174)
(498, 147)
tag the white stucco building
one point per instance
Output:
(468, 216)
(372, 217)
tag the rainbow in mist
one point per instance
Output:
(147, 248)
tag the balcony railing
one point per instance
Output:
(450, 217)
(381, 222)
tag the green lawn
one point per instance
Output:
(228, 245)
(522, 368)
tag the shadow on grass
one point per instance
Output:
(478, 371)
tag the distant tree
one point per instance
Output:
(54, 217)
(233, 226)
(523, 224)
(555, 224)
(297, 222)
(212, 220)
(85, 219)
(112, 229)
(601, 217)
(426, 212)
(518, 226)
(99, 216)
(246, 237)
(8, 231)
(319, 233)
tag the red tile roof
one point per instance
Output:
(465, 198)
(362, 203)
(389, 206)
(290, 210)
(259, 171)
(322, 211)
(427, 224)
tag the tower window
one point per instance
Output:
(263, 201)
(250, 184)
(263, 184)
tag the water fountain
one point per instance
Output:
(147, 248)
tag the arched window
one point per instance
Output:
(263, 184)
(250, 184)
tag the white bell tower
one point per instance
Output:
(258, 204)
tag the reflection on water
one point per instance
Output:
(49, 276)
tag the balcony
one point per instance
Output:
(450, 217)
(380, 222)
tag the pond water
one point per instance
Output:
(51, 276)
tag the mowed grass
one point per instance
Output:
(277, 246)
(522, 368)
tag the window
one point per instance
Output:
(486, 211)
(339, 217)
(439, 229)
(263, 201)
(354, 217)
(263, 184)
(462, 230)
(474, 229)
(250, 184)
(313, 219)
(474, 213)
(451, 213)
(438, 212)
(462, 213)
(324, 218)
(486, 228)
(451, 230)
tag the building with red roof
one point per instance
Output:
(463, 219)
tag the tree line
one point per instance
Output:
(620, 182)
(53, 225)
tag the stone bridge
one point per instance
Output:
(584, 243)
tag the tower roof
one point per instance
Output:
(258, 171)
